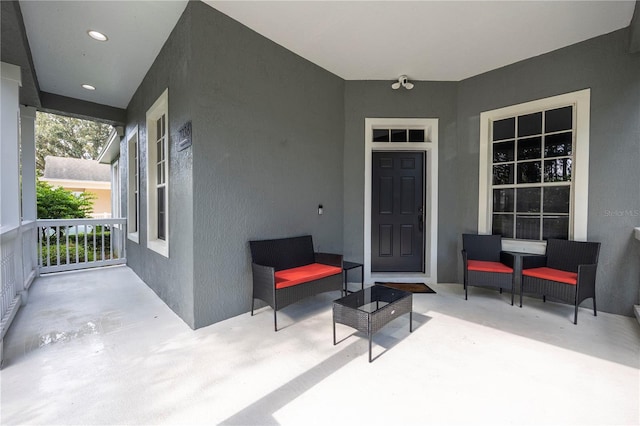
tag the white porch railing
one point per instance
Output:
(53, 245)
(18, 266)
(67, 244)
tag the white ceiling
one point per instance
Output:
(65, 57)
(426, 40)
(356, 40)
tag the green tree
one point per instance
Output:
(68, 137)
(58, 203)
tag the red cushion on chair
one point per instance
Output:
(552, 275)
(485, 266)
(302, 274)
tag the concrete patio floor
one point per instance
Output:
(99, 347)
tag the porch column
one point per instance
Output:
(10, 82)
(29, 231)
(9, 152)
(28, 161)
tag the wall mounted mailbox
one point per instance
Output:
(185, 136)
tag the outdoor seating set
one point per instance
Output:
(287, 270)
(567, 271)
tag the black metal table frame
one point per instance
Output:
(371, 322)
(520, 260)
(347, 266)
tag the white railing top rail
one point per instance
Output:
(83, 221)
(8, 231)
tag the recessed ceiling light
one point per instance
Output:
(97, 35)
(88, 87)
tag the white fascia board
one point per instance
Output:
(86, 184)
(111, 150)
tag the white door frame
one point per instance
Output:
(430, 148)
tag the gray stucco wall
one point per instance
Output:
(275, 135)
(172, 278)
(604, 65)
(268, 148)
(376, 99)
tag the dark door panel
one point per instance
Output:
(397, 206)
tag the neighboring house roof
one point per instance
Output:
(62, 168)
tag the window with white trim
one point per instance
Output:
(531, 168)
(133, 193)
(158, 176)
(534, 170)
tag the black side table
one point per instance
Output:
(346, 266)
(524, 261)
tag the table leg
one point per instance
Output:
(410, 321)
(344, 282)
(518, 277)
(369, 347)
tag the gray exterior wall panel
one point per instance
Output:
(171, 279)
(275, 135)
(604, 65)
(376, 99)
(268, 149)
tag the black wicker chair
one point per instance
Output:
(485, 264)
(567, 273)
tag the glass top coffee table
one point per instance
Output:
(371, 309)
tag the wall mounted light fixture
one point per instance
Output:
(403, 81)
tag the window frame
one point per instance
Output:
(116, 184)
(157, 110)
(133, 186)
(580, 100)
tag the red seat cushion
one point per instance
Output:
(302, 274)
(552, 275)
(485, 266)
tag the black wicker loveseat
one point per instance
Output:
(287, 270)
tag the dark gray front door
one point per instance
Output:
(397, 212)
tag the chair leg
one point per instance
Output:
(595, 313)
(253, 301)
(575, 315)
(275, 310)
(465, 291)
(512, 295)
(544, 299)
